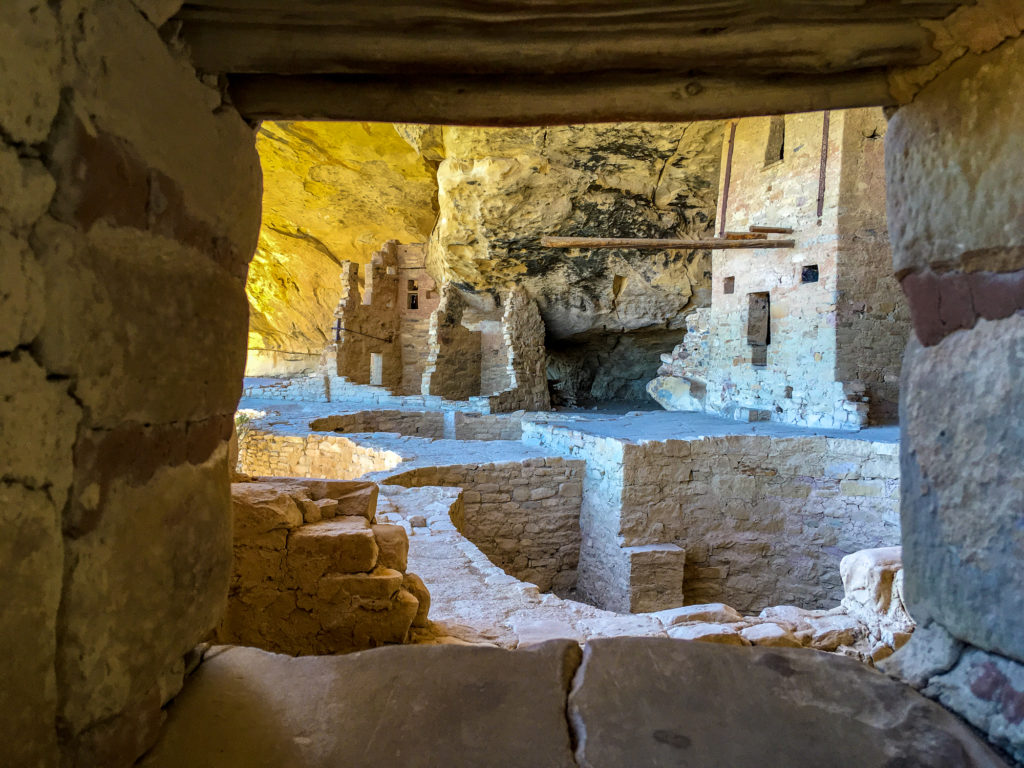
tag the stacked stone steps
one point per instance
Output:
(315, 573)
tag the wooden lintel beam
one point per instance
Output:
(240, 45)
(771, 230)
(522, 100)
(661, 244)
(745, 236)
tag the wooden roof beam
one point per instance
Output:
(541, 100)
(661, 244)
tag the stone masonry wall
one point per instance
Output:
(429, 424)
(483, 426)
(953, 169)
(129, 208)
(368, 321)
(323, 388)
(757, 520)
(314, 573)
(523, 331)
(264, 453)
(830, 339)
(414, 322)
(452, 370)
(872, 316)
(523, 515)
(763, 520)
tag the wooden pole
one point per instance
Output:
(745, 236)
(660, 244)
(771, 230)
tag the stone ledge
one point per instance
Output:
(633, 701)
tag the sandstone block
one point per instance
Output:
(655, 576)
(343, 545)
(25, 188)
(630, 709)
(353, 497)
(30, 61)
(791, 615)
(930, 652)
(704, 632)
(30, 566)
(380, 585)
(873, 593)
(961, 497)
(771, 635)
(365, 624)
(257, 565)
(393, 543)
(329, 508)
(716, 613)
(516, 719)
(262, 507)
(673, 394)
(532, 631)
(988, 691)
(310, 511)
(415, 586)
(829, 632)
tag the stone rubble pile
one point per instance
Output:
(870, 623)
(314, 573)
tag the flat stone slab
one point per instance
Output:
(403, 706)
(660, 702)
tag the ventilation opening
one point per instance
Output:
(759, 332)
(729, 285)
(376, 369)
(412, 287)
(776, 147)
(809, 274)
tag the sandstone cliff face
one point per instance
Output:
(501, 190)
(608, 313)
(332, 192)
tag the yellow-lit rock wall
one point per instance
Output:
(333, 192)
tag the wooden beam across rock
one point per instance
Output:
(661, 244)
(231, 44)
(759, 230)
(540, 100)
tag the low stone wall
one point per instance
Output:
(757, 520)
(523, 515)
(262, 452)
(326, 388)
(413, 423)
(314, 574)
(311, 388)
(484, 426)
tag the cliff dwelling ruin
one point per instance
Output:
(538, 384)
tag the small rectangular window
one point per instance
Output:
(729, 285)
(759, 329)
(809, 274)
(775, 149)
(414, 301)
(412, 286)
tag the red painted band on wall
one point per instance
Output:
(952, 301)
